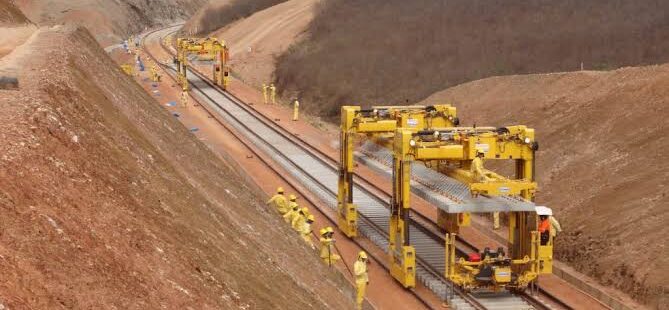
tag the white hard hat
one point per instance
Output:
(541, 210)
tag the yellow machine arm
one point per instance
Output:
(374, 122)
(208, 49)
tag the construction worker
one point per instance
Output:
(544, 223)
(279, 201)
(293, 211)
(272, 93)
(184, 98)
(296, 110)
(264, 92)
(361, 278)
(476, 168)
(305, 231)
(299, 219)
(328, 254)
(292, 203)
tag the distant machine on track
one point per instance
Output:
(210, 49)
(429, 135)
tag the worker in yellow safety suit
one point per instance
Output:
(264, 92)
(279, 201)
(478, 175)
(298, 220)
(305, 231)
(272, 93)
(328, 254)
(293, 211)
(184, 98)
(296, 110)
(361, 278)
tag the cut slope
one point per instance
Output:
(602, 139)
(109, 21)
(389, 51)
(220, 13)
(108, 202)
(257, 41)
(14, 26)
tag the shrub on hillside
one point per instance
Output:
(391, 51)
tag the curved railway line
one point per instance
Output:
(318, 172)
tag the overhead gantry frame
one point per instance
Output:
(373, 122)
(456, 148)
(208, 48)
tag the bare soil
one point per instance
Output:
(220, 13)
(602, 136)
(109, 21)
(109, 202)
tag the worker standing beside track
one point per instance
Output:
(328, 254)
(298, 221)
(293, 211)
(279, 201)
(296, 110)
(361, 278)
(264, 92)
(305, 231)
(272, 93)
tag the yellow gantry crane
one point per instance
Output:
(207, 49)
(452, 150)
(377, 123)
(417, 135)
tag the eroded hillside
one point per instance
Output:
(108, 201)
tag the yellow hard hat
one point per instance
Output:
(292, 197)
(323, 231)
(362, 255)
(311, 217)
(329, 229)
(279, 190)
(304, 210)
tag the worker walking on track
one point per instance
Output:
(296, 110)
(264, 92)
(272, 93)
(305, 231)
(279, 201)
(361, 278)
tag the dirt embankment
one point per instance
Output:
(255, 42)
(109, 21)
(389, 51)
(14, 26)
(109, 202)
(602, 139)
(220, 13)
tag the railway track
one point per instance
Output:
(319, 173)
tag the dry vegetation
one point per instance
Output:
(218, 14)
(388, 51)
